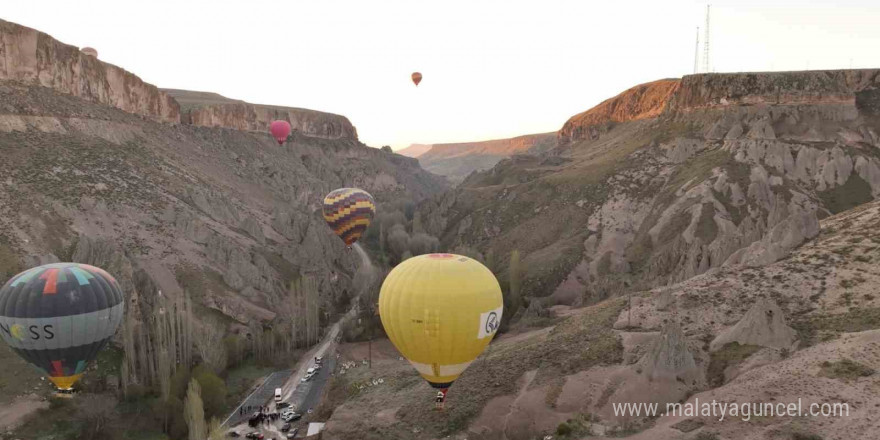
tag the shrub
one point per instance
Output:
(213, 390)
(563, 429)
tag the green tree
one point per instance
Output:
(212, 390)
(171, 412)
(215, 430)
(515, 280)
(195, 412)
(513, 297)
(179, 381)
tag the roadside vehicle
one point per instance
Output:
(277, 394)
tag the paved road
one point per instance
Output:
(261, 396)
(308, 395)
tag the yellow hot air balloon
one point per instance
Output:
(440, 311)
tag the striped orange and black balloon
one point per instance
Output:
(348, 212)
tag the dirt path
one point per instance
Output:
(12, 414)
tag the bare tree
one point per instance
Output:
(96, 411)
(209, 345)
(130, 354)
(194, 412)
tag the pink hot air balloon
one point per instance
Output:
(280, 130)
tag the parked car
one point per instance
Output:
(233, 434)
(292, 433)
(282, 405)
(255, 435)
(290, 417)
(285, 427)
(319, 359)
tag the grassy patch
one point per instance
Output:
(845, 369)
(812, 329)
(575, 427)
(54, 423)
(240, 381)
(849, 195)
(729, 355)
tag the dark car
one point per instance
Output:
(255, 435)
(285, 427)
(282, 405)
(233, 434)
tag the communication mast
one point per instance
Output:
(706, 43)
(697, 52)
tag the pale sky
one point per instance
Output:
(492, 69)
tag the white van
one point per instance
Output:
(277, 394)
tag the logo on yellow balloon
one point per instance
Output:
(17, 331)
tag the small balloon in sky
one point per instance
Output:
(416, 78)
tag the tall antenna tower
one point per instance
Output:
(706, 43)
(697, 52)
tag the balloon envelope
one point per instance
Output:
(59, 316)
(416, 78)
(348, 211)
(280, 130)
(440, 311)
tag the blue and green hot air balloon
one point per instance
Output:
(59, 316)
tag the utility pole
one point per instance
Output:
(697, 52)
(706, 43)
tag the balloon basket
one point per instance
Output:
(64, 394)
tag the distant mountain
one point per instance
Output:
(456, 161)
(414, 150)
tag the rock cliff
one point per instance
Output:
(205, 109)
(642, 101)
(30, 56)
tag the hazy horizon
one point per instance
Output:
(492, 69)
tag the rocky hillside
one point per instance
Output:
(673, 178)
(456, 161)
(805, 327)
(99, 169)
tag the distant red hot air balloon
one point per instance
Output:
(280, 130)
(416, 78)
